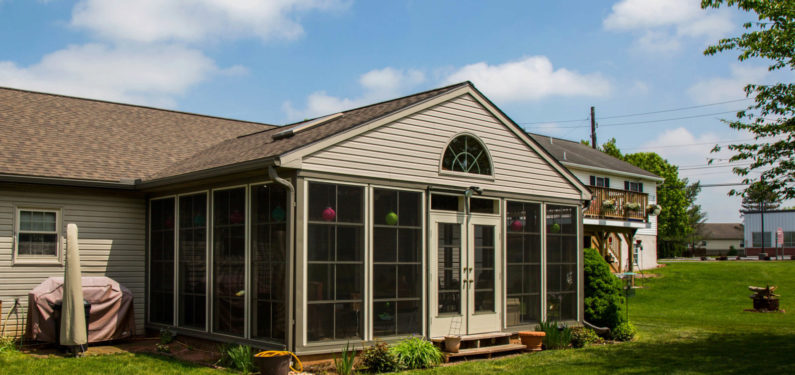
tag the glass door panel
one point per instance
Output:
(449, 268)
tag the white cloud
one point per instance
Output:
(142, 74)
(662, 24)
(530, 78)
(194, 20)
(378, 84)
(729, 88)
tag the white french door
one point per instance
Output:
(465, 274)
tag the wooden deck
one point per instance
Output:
(485, 344)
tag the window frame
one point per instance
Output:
(447, 172)
(22, 259)
(629, 184)
(594, 181)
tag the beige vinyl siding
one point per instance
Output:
(410, 149)
(111, 230)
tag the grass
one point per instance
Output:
(116, 364)
(690, 320)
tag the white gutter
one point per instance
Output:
(612, 171)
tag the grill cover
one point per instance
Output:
(111, 318)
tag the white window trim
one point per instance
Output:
(56, 260)
(478, 176)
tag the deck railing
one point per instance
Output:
(623, 204)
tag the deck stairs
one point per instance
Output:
(485, 344)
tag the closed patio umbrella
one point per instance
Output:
(73, 317)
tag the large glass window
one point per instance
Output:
(484, 267)
(561, 226)
(449, 268)
(756, 238)
(397, 262)
(229, 254)
(335, 266)
(37, 233)
(268, 261)
(523, 260)
(193, 260)
(789, 239)
(161, 261)
(466, 154)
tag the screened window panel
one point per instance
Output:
(161, 261)
(562, 274)
(229, 254)
(268, 261)
(397, 265)
(335, 250)
(523, 259)
(193, 260)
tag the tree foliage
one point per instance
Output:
(771, 118)
(757, 195)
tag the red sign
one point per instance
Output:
(780, 237)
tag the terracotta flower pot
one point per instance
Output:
(452, 343)
(532, 340)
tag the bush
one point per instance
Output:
(378, 359)
(732, 251)
(556, 337)
(416, 352)
(8, 344)
(624, 332)
(603, 299)
(583, 336)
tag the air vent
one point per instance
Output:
(305, 126)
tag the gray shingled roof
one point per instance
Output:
(722, 231)
(566, 151)
(261, 145)
(55, 136)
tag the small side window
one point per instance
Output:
(37, 235)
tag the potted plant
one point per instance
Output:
(609, 204)
(532, 340)
(653, 209)
(452, 343)
(632, 206)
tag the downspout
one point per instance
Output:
(290, 285)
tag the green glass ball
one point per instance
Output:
(391, 218)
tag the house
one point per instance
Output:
(720, 238)
(405, 217)
(620, 220)
(756, 242)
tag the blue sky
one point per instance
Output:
(543, 63)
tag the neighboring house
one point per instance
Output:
(774, 219)
(401, 218)
(627, 223)
(720, 238)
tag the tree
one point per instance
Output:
(758, 195)
(771, 117)
(695, 216)
(611, 149)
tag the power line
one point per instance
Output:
(715, 166)
(675, 109)
(667, 119)
(692, 144)
(637, 114)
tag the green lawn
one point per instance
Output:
(690, 321)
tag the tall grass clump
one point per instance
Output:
(416, 353)
(344, 364)
(556, 337)
(239, 357)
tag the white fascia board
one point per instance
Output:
(616, 223)
(612, 171)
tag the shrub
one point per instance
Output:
(583, 336)
(239, 357)
(732, 251)
(624, 332)
(378, 359)
(166, 336)
(603, 297)
(416, 352)
(556, 337)
(344, 364)
(8, 344)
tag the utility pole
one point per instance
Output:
(593, 128)
(762, 214)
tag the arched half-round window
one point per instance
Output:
(466, 154)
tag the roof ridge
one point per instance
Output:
(443, 88)
(134, 105)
